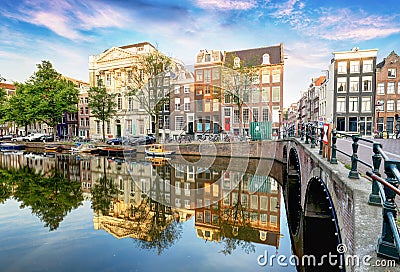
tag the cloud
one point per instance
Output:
(227, 4)
(67, 18)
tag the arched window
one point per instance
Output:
(266, 59)
(119, 102)
(236, 62)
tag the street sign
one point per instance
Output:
(326, 131)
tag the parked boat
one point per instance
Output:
(85, 148)
(53, 148)
(116, 151)
(6, 147)
(157, 150)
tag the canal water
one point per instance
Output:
(64, 212)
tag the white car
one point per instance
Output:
(33, 137)
(19, 139)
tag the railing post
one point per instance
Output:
(353, 172)
(312, 136)
(386, 244)
(302, 132)
(307, 128)
(374, 198)
(334, 139)
(321, 144)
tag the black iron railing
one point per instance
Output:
(383, 191)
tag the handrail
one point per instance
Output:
(383, 190)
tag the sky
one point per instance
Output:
(67, 32)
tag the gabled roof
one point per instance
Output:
(7, 86)
(391, 56)
(254, 56)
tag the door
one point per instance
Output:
(118, 130)
(227, 124)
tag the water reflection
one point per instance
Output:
(148, 200)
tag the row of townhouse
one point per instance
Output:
(357, 94)
(197, 99)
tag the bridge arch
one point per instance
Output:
(293, 192)
(321, 233)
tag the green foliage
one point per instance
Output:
(20, 107)
(50, 198)
(102, 104)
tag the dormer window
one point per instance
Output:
(207, 57)
(236, 62)
(266, 59)
(392, 72)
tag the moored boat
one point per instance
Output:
(85, 148)
(157, 150)
(116, 151)
(5, 147)
(53, 148)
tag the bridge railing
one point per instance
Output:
(383, 191)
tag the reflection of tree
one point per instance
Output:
(50, 198)
(236, 231)
(162, 231)
(6, 185)
(103, 192)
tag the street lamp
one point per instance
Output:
(378, 105)
(279, 128)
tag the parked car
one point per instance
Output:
(115, 141)
(47, 138)
(34, 137)
(18, 138)
(7, 137)
(144, 140)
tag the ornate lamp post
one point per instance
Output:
(279, 128)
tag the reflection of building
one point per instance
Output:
(249, 211)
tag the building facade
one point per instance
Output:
(354, 90)
(387, 102)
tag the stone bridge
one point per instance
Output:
(326, 210)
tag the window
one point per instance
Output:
(354, 66)
(342, 67)
(276, 94)
(177, 104)
(86, 110)
(390, 88)
(367, 84)
(255, 95)
(119, 101)
(227, 98)
(129, 126)
(255, 79)
(141, 126)
(215, 73)
(236, 116)
(215, 105)
(398, 106)
(130, 103)
(382, 105)
(276, 76)
(87, 121)
(341, 104)
(207, 57)
(353, 104)
(108, 79)
(207, 105)
(207, 75)
(265, 76)
(367, 66)
(129, 76)
(392, 73)
(353, 124)
(255, 114)
(207, 89)
(381, 88)
(82, 110)
(227, 111)
(108, 127)
(186, 104)
(390, 105)
(366, 104)
(341, 123)
(82, 122)
(341, 84)
(177, 89)
(179, 122)
(354, 84)
(265, 115)
(389, 124)
(186, 89)
(166, 122)
(236, 62)
(265, 94)
(246, 116)
(266, 59)
(199, 105)
(199, 75)
(199, 90)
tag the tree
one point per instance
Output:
(152, 74)
(238, 79)
(3, 100)
(52, 95)
(20, 107)
(102, 104)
